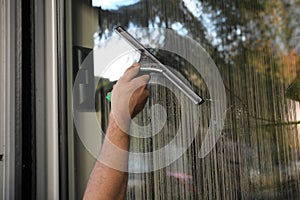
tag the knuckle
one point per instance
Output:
(134, 66)
(143, 79)
(146, 77)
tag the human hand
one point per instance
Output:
(129, 96)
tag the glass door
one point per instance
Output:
(241, 57)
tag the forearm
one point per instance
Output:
(108, 179)
(106, 182)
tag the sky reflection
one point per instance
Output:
(113, 4)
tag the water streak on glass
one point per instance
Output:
(255, 45)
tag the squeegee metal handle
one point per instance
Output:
(162, 68)
(182, 86)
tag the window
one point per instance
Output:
(249, 48)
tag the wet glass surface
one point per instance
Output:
(256, 47)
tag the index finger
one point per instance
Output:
(131, 72)
(141, 80)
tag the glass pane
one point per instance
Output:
(241, 57)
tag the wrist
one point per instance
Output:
(122, 124)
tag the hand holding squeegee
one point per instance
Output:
(157, 67)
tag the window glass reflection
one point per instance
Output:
(255, 45)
